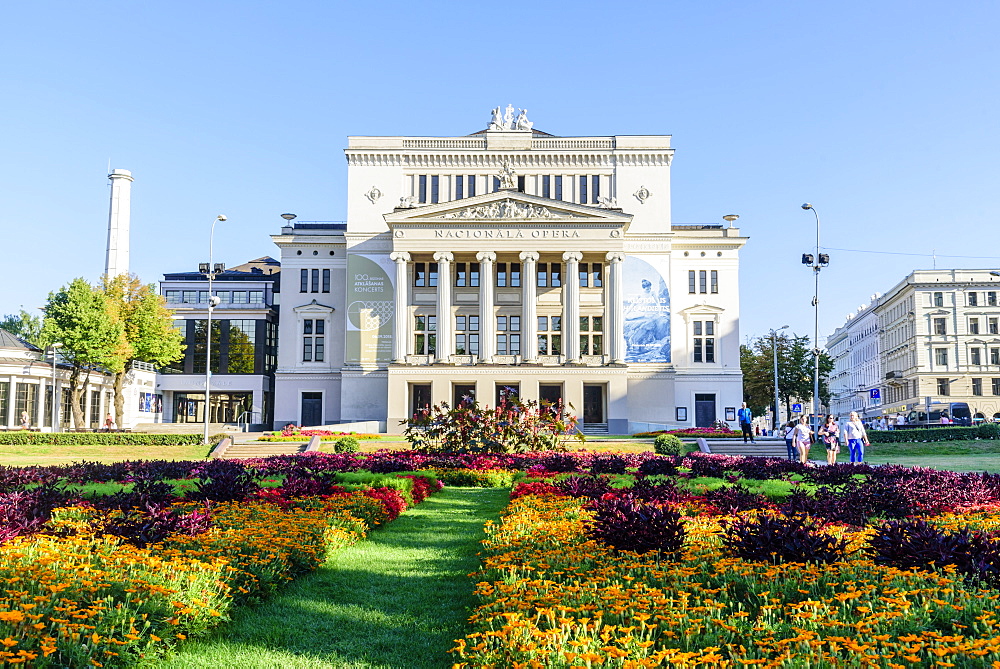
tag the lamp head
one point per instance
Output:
(56, 345)
(994, 273)
(807, 206)
(220, 217)
(289, 217)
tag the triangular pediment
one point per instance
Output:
(507, 206)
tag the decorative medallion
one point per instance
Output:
(374, 194)
(642, 194)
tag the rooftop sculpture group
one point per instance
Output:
(506, 120)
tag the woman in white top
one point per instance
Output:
(856, 436)
(789, 444)
(802, 438)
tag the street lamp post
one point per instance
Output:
(55, 404)
(774, 349)
(817, 262)
(210, 271)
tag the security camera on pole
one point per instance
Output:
(210, 270)
(817, 262)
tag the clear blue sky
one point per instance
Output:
(883, 115)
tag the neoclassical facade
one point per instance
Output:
(509, 261)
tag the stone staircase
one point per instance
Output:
(245, 446)
(594, 428)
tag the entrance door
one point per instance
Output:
(704, 410)
(312, 409)
(420, 398)
(593, 404)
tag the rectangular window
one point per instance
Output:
(943, 387)
(939, 326)
(435, 189)
(715, 282)
(702, 281)
(995, 356)
(559, 188)
(583, 190)
(496, 184)
(691, 281)
(584, 274)
(508, 275)
(975, 356)
(591, 335)
(172, 297)
(425, 337)
(422, 189)
(257, 297)
(95, 408)
(972, 299)
(941, 357)
(595, 189)
(549, 274)
(326, 281)
(315, 281)
(238, 297)
(303, 281)
(994, 325)
(425, 274)
(508, 335)
(938, 299)
(549, 337)
(996, 386)
(459, 187)
(973, 326)
(991, 298)
(190, 297)
(472, 185)
(467, 335)
(520, 184)
(5, 402)
(546, 186)
(704, 347)
(977, 386)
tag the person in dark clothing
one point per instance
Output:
(745, 417)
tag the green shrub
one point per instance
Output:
(26, 438)
(345, 445)
(988, 431)
(924, 434)
(668, 444)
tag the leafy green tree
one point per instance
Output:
(26, 326)
(147, 326)
(77, 315)
(795, 372)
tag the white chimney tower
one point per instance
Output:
(118, 223)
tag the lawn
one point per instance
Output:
(23, 456)
(405, 587)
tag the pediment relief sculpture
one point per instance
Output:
(507, 210)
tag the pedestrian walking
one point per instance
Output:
(789, 428)
(856, 436)
(802, 436)
(745, 417)
(829, 432)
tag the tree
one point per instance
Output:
(77, 316)
(795, 372)
(147, 326)
(26, 326)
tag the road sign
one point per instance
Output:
(796, 408)
(874, 394)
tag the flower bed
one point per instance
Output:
(117, 579)
(693, 433)
(578, 574)
(295, 434)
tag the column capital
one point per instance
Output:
(444, 256)
(486, 256)
(615, 256)
(399, 256)
(528, 256)
(572, 256)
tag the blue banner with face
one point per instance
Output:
(646, 310)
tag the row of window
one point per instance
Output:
(429, 189)
(508, 335)
(940, 325)
(975, 356)
(235, 347)
(972, 298)
(703, 281)
(314, 281)
(26, 399)
(508, 275)
(225, 296)
(944, 386)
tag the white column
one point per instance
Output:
(445, 325)
(529, 306)
(614, 332)
(571, 306)
(487, 318)
(401, 328)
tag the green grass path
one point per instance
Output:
(397, 599)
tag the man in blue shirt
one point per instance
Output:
(746, 418)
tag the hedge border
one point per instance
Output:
(26, 438)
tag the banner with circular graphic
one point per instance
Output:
(371, 304)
